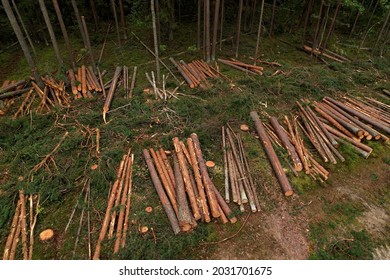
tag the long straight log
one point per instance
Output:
(12, 86)
(327, 134)
(168, 166)
(128, 202)
(274, 160)
(360, 115)
(183, 73)
(186, 178)
(205, 177)
(14, 93)
(160, 191)
(198, 180)
(184, 215)
(15, 222)
(222, 205)
(287, 144)
(225, 166)
(111, 92)
(23, 224)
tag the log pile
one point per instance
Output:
(186, 191)
(84, 81)
(22, 227)
(244, 67)
(196, 72)
(238, 179)
(116, 220)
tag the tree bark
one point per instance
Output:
(215, 28)
(238, 26)
(155, 37)
(123, 19)
(222, 19)
(88, 44)
(94, 13)
(308, 13)
(78, 18)
(259, 30)
(116, 21)
(198, 34)
(207, 31)
(65, 34)
(22, 42)
(24, 27)
(331, 27)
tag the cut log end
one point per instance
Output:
(149, 209)
(144, 230)
(94, 166)
(288, 193)
(233, 220)
(46, 235)
(244, 127)
(210, 163)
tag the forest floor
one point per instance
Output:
(347, 217)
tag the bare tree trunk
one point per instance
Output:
(215, 29)
(171, 7)
(317, 27)
(157, 7)
(94, 13)
(239, 26)
(271, 28)
(259, 30)
(152, 7)
(222, 19)
(24, 27)
(116, 21)
(65, 34)
(252, 22)
(89, 44)
(355, 21)
(382, 29)
(324, 24)
(198, 34)
(368, 25)
(207, 32)
(123, 19)
(308, 13)
(76, 11)
(22, 42)
(331, 28)
(51, 32)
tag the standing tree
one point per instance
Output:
(383, 28)
(239, 26)
(368, 25)
(65, 34)
(94, 13)
(80, 24)
(116, 21)
(271, 28)
(331, 28)
(123, 19)
(207, 29)
(22, 42)
(215, 29)
(259, 30)
(222, 18)
(51, 32)
(198, 33)
(153, 10)
(24, 27)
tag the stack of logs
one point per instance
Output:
(21, 229)
(238, 178)
(116, 219)
(325, 53)
(186, 191)
(244, 67)
(196, 72)
(84, 82)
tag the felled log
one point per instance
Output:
(11, 236)
(160, 191)
(12, 86)
(278, 169)
(111, 92)
(14, 93)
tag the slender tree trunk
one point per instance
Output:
(76, 11)
(172, 18)
(317, 27)
(222, 19)
(152, 7)
(207, 20)
(123, 19)
(157, 7)
(24, 28)
(324, 25)
(51, 32)
(65, 34)
(94, 13)
(239, 26)
(22, 41)
(331, 28)
(246, 15)
(368, 25)
(252, 22)
(89, 44)
(198, 34)
(308, 13)
(382, 29)
(116, 21)
(271, 28)
(215, 28)
(355, 21)
(259, 30)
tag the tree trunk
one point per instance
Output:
(324, 24)
(51, 32)
(222, 19)
(152, 7)
(76, 11)
(317, 27)
(252, 22)
(331, 28)
(157, 7)
(259, 30)
(123, 19)
(215, 28)
(368, 25)
(116, 21)
(89, 44)
(271, 28)
(94, 13)
(22, 41)
(207, 27)
(171, 7)
(24, 27)
(382, 29)
(65, 34)
(308, 13)
(239, 26)
(355, 21)
(198, 33)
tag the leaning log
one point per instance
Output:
(110, 94)
(273, 158)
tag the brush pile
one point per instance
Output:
(238, 179)
(196, 72)
(244, 67)
(348, 121)
(186, 191)
(116, 220)
(20, 229)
